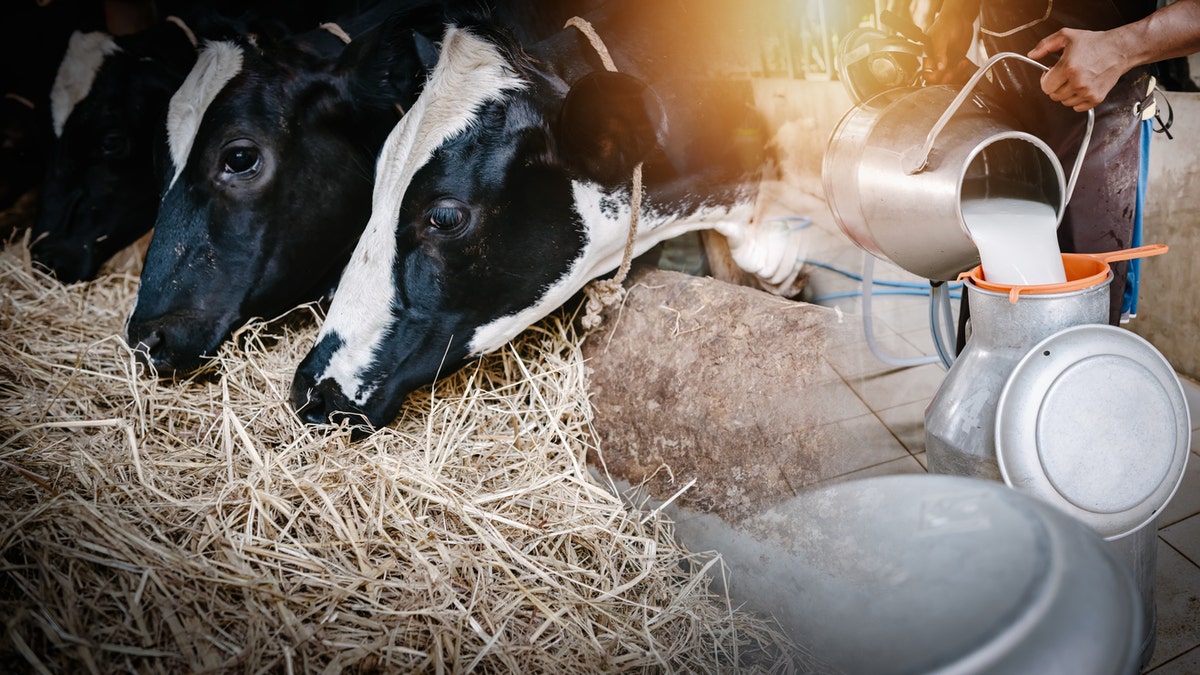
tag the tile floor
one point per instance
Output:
(896, 399)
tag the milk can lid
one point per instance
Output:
(1094, 421)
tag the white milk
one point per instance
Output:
(1017, 240)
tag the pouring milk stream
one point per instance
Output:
(1017, 240)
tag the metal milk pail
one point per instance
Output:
(960, 421)
(1049, 399)
(898, 167)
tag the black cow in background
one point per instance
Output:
(33, 38)
(107, 109)
(100, 193)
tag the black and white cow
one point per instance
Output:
(107, 105)
(33, 39)
(100, 191)
(272, 155)
(506, 189)
(270, 174)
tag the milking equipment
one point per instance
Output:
(1045, 396)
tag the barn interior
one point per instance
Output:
(715, 444)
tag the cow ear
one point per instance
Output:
(388, 65)
(608, 124)
(164, 55)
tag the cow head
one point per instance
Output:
(497, 197)
(271, 152)
(101, 192)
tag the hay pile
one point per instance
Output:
(148, 526)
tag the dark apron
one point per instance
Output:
(1100, 215)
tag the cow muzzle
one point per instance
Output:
(169, 347)
(324, 403)
(68, 262)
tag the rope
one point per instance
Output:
(20, 99)
(590, 33)
(336, 31)
(183, 27)
(608, 292)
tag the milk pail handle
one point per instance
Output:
(922, 158)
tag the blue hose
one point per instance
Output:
(1129, 303)
(895, 284)
(855, 294)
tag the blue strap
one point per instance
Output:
(1129, 303)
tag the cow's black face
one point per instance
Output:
(481, 225)
(265, 206)
(485, 232)
(101, 191)
(262, 219)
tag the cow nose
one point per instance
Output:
(163, 346)
(147, 343)
(148, 347)
(323, 402)
(67, 264)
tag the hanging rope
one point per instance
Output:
(183, 27)
(608, 292)
(20, 99)
(336, 31)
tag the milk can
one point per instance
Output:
(1051, 400)
(898, 167)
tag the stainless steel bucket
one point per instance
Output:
(960, 422)
(898, 167)
(1052, 401)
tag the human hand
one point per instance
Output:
(772, 249)
(1088, 69)
(950, 37)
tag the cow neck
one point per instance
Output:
(607, 292)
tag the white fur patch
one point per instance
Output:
(469, 73)
(607, 231)
(77, 73)
(216, 65)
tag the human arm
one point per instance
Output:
(1093, 61)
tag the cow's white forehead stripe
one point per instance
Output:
(77, 73)
(217, 63)
(470, 72)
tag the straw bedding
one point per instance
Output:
(197, 526)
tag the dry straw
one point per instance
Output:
(197, 526)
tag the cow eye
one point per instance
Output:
(446, 215)
(241, 161)
(114, 145)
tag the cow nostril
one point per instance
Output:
(148, 342)
(310, 406)
(149, 349)
(324, 403)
